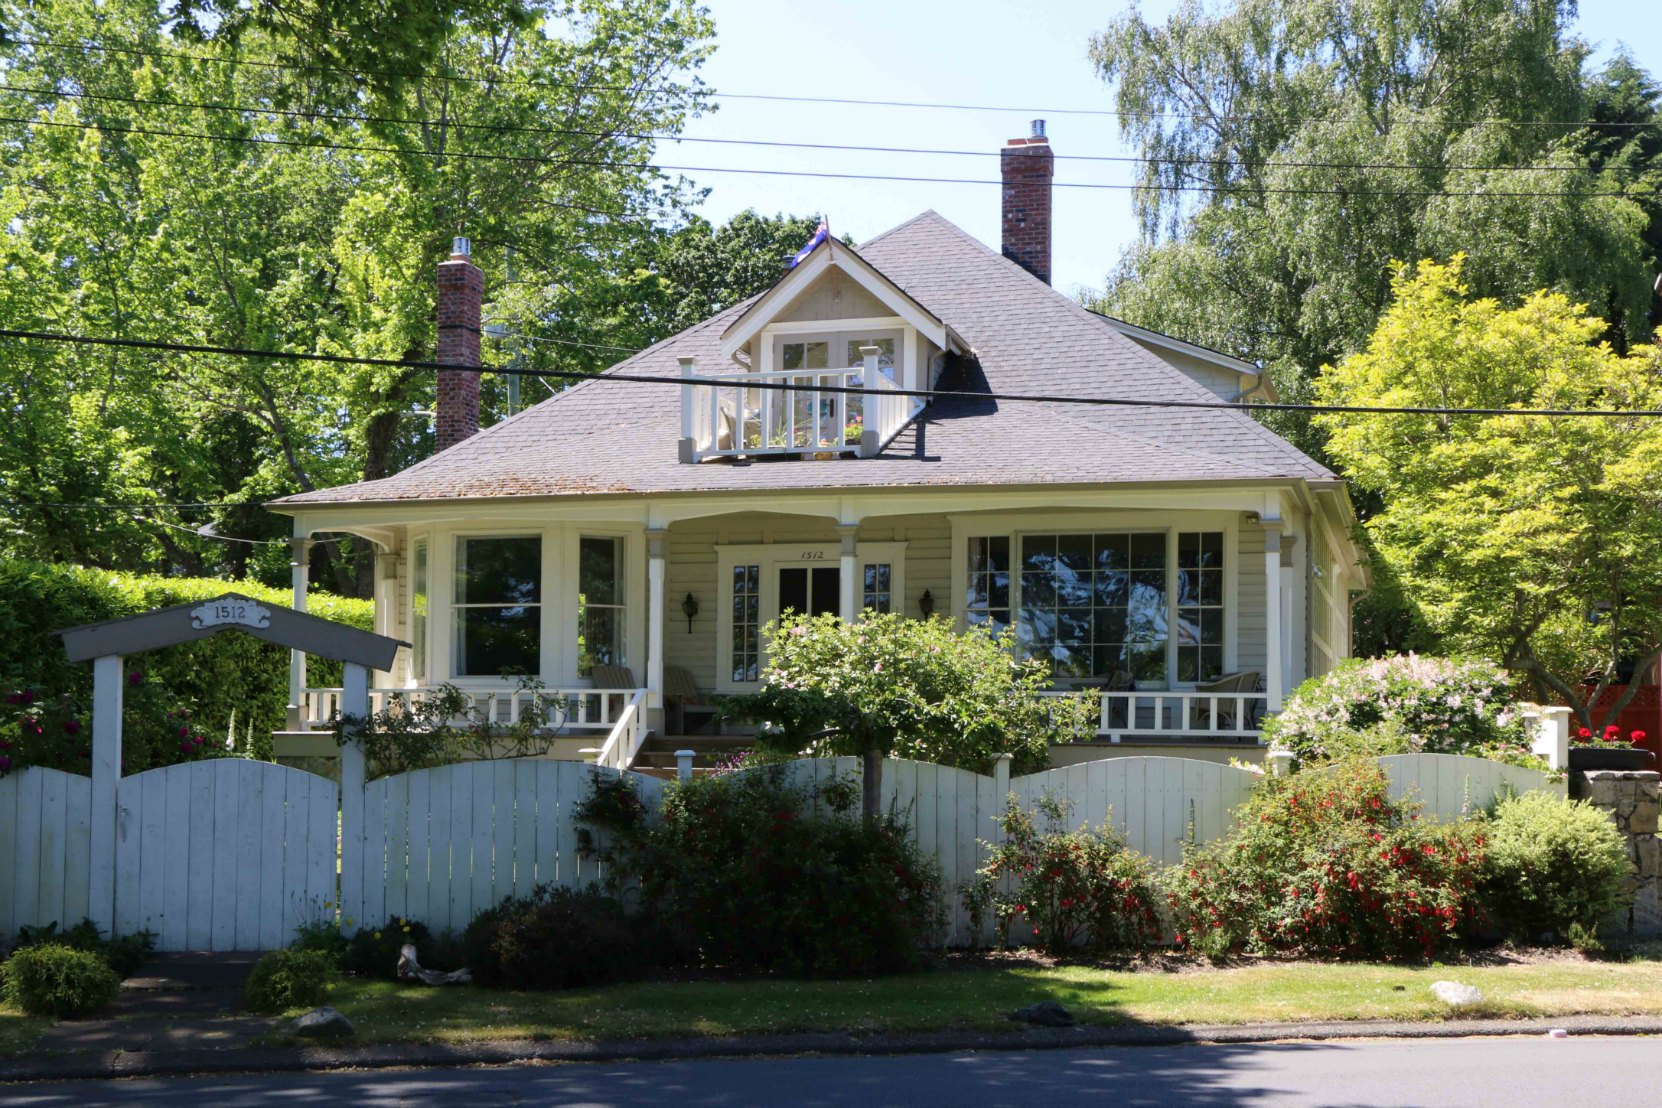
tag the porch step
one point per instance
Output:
(658, 751)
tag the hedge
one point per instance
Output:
(229, 673)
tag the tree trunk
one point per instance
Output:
(871, 790)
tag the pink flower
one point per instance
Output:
(72, 726)
(135, 677)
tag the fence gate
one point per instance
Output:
(224, 854)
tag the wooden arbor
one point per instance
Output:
(106, 645)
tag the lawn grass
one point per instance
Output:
(18, 1032)
(978, 997)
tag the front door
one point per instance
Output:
(809, 590)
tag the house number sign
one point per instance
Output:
(240, 613)
(813, 555)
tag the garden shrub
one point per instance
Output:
(224, 678)
(555, 938)
(286, 979)
(1073, 889)
(1325, 863)
(747, 870)
(374, 950)
(52, 979)
(1404, 704)
(1553, 868)
(123, 955)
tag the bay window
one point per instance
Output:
(600, 603)
(418, 612)
(497, 617)
(1118, 609)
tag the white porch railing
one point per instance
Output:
(576, 709)
(728, 416)
(625, 739)
(1132, 715)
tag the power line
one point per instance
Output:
(423, 75)
(530, 159)
(548, 132)
(780, 386)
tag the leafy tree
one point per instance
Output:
(706, 268)
(1319, 141)
(1624, 137)
(316, 231)
(887, 685)
(1534, 540)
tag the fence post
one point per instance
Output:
(1281, 762)
(108, 692)
(355, 708)
(683, 765)
(1552, 741)
(1001, 778)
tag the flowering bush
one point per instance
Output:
(1326, 863)
(1073, 889)
(52, 731)
(1404, 704)
(748, 870)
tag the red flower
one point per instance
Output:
(1583, 733)
(72, 726)
(1638, 737)
(1612, 731)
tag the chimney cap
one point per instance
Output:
(1038, 129)
(460, 247)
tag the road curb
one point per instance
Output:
(406, 1056)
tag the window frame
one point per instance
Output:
(1107, 522)
(421, 625)
(456, 606)
(621, 607)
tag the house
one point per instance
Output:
(628, 540)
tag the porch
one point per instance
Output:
(1181, 614)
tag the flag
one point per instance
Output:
(821, 233)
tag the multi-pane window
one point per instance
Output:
(747, 622)
(418, 611)
(878, 592)
(1199, 605)
(498, 611)
(987, 592)
(1099, 607)
(600, 603)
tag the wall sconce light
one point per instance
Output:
(689, 608)
(926, 604)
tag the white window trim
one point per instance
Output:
(770, 557)
(423, 541)
(1015, 528)
(451, 626)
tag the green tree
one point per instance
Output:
(887, 685)
(160, 192)
(1298, 147)
(1531, 539)
(706, 268)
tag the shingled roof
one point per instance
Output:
(608, 437)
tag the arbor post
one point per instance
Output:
(108, 696)
(354, 716)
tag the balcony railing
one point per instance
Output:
(791, 412)
(583, 711)
(1134, 715)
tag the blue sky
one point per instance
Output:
(998, 52)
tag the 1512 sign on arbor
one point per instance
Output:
(233, 612)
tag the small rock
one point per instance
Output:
(323, 1023)
(1456, 995)
(1046, 1013)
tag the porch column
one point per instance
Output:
(655, 618)
(108, 692)
(300, 548)
(1274, 679)
(848, 595)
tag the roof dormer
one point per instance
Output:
(822, 365)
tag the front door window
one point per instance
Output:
(809, 590)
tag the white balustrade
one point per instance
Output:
(583, 710)
(801, 412)
(1135, 714)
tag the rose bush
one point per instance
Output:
(55, 732)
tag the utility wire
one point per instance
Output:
(423, 75)
(547, 132)
(530, 159)
(782, 386)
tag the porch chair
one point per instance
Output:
(681, 699)
(1244, 682)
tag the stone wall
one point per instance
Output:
(1634, 800)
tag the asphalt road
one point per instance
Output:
(1514, 1072)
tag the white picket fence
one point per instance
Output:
(441, 845)
(223, 854)
(45, 848)
(233, 854)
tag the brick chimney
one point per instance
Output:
(1027, 167)
(461, 289)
